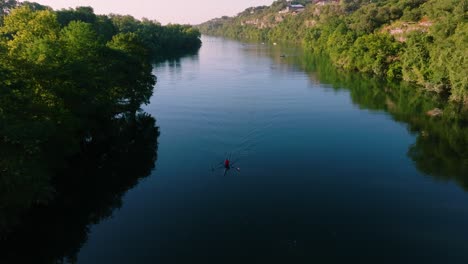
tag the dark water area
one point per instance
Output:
(334, 168)
(85, 192)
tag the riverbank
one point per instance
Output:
(421, 42)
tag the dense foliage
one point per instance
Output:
(66, 78)
(420, 41)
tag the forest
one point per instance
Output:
(71, 82)
(419, 41)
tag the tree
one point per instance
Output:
(125, 24)
(375, 53)
(456, 57)
(63, 91)
(31, 35)
(82, 13)
(79, 41)
(416, 58)
(134, 84)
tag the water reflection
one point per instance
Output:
(173, 65)
(175, 61)
(441, 147)
(329, 219)
(88, 191)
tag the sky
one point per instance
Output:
(181, 11)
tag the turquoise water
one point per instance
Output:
(325, 176)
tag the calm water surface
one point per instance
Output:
(324, 178)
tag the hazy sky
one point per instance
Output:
(178, 11)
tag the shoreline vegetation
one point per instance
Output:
(71, 86)
(424, 42)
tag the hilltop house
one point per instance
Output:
(292, 9)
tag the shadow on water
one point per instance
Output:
(174, 63)
(441, 147)
(86, 192)
(174, 59)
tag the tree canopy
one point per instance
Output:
(67, 78)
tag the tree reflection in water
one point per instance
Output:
(86, 192)
(441, 147)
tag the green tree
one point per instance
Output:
(375, 53)
(134, 85)
(32, 36)
(416, 58)
(68, 80)
(79, 41)
(82, 13)
(455, 57)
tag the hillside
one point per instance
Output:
(420, 41)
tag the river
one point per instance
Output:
(333, 168)
(322, 178)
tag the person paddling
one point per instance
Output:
(227, 165)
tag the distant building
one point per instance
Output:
(293, 9)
